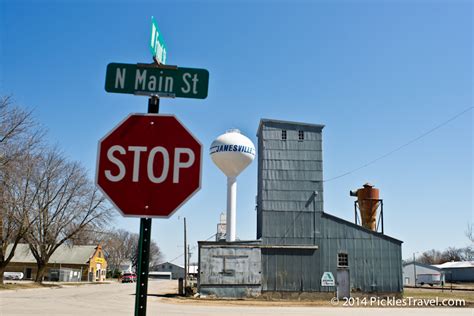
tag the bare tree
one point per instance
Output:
(66, 203)
(122, 246)
(134, 239)
(89, 235)
(119, 246)
(470, 232)
(20, 139)
(155, 253)
(430, 257)
(452, 254)
(156, 256)
(468, 253)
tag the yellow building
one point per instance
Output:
(67, 264)
(97, 266)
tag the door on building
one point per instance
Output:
(28, 273)
(343, 283)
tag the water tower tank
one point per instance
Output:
(232, 152)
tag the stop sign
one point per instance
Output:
(149, 165)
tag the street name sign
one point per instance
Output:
(328, 279)
(157, 45)
(144, 79)
(149, 165)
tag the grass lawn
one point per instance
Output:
(468, 296)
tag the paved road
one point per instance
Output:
(118, 299)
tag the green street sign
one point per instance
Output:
(157, 45)
(148, 79)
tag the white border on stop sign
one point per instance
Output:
(98, 158)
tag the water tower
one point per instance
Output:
(232, 152)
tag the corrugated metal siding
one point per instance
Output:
(459, 274)
(243, 264)
(297, 145)
(289, 172)
(292, 175)
(288, 195)
(375, 263)
(291, 165)
(290, 270)
(259, 188)
(276, 154)
(296, 186)
(297, 231)
(229, 271)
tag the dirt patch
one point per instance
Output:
(243, 302)
(83, 283)
(22, 286)
(317, 299)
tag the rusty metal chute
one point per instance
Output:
(368, 202)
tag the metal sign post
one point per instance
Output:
(144, 244)
(143, 262)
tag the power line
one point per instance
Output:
(402, 146)
(194, 247)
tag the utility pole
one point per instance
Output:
(185, 259)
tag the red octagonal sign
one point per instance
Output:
(149, 165)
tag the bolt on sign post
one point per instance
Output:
(149, 165)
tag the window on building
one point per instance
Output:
(100, 254)
(283, 134)
(162, 266)
(342, 260)
(300, 135)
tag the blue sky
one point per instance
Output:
(376, 73)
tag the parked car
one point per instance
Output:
(129, 278)
(13, 275)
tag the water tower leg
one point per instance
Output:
(231, 208)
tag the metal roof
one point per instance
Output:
(64, 254)
(419, 264)
(353, 225)
(456, 264)
(170, 263)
